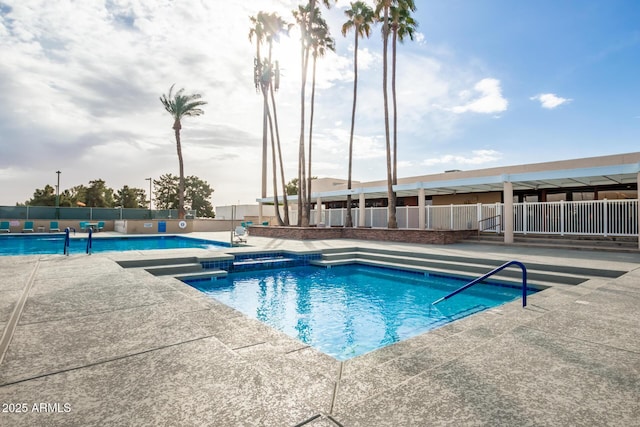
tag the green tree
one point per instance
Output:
(43, 197)
(129, 197)
(166, 191)
(180, 106)
(360, 18)
(98, 195)
(76, 194)
(197, 195)
(292, 186)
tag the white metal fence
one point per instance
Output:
(596, 217)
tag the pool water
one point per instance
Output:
(54, 244)
(347, 311)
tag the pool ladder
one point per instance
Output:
(67, 239)
(491, 273)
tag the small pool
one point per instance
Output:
(54, 244)
(350, 310)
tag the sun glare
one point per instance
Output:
(287, 52)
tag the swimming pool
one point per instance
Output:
(54, 244)
(346, 311)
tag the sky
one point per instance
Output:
(484, 83)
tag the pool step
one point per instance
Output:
(202, 275)
(174, 269)
(145, 262)
(541, 274)
(596, 243)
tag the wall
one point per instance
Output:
(378, 234)
(152, 226)
(468, 198)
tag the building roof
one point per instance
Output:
(586, 172)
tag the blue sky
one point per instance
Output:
(486, 83)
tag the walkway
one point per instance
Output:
(95, 344)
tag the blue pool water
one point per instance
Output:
(350, 310)
(54, 244)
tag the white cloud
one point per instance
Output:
(550, 100)
(477, 157)
(486, 99)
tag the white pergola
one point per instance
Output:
(505, 183)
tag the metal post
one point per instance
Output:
(58, 196)
(150, 198)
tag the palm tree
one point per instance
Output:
(402, 25)
(384, 6)
(361, 18)
(305, 17)
(320, 41)
(267, 28)
(179, 106)
(258, 32)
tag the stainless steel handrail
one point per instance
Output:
(491, 273)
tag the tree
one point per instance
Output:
(43, 197)
(166, 191)
(129, 197)
(402, 25)
(305, 19)
(197, 194)
(320, 41)
(76, 194)
(267, 27)
(383, 6)
(180, 106)
(360, 19)
(292, 186)
(98, 195)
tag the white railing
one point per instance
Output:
(596, 217)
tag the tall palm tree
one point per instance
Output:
(361, 17)
(321, 41)
(305, 18)
(383, 6)
(179, 106)
(258, 31)
(267, 28)
(402, 25)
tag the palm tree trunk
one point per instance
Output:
(284, 184)
(302, 196)
(392, 222)
(395, 106)
(181, 212)
(313, 100)
(349, 218)
(273, 161)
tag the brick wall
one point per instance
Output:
(378, 234)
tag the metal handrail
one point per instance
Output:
(480, 229)
(491, 273)
(66, 242)
(90, 241)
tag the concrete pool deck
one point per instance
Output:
(92, 343)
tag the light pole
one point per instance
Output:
(58, 196)
(150, 207)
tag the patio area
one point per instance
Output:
(87, 342)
